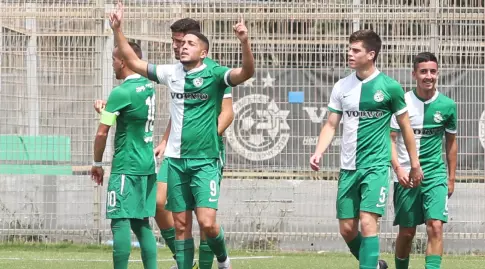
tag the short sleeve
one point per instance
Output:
(394, 125)
(335, 104)
(228, 93)
(221, 74)
(451, 124)
(118, 99)
(159, 73)
(397, 102)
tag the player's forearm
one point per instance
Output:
(167, 133)
(326, 135)
(99, 146)
(247, 60)
(451, 156)
(410, 144)
(224, 121)
(394, 159)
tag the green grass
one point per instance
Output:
(70, 256)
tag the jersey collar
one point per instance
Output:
(195, 70)
(371, 77)
(133, 76)
(436, 93)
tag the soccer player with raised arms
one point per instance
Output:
(432, 116)
(193, 148)
(132, 183)
(365, 100)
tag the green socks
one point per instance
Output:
(354, 245)
(206, 256)
(218, 245)
(169, 237)
(402, 263)
(148, 244)
(369, 253)
(433, 262)
(184, 253)
(121, 242)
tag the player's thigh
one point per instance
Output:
(179, 195)
(348, 195)
(161, 194)
(374, 189)
(131, 196)
(205, 183)
(408, 206)
(435, 202)
(162, 175)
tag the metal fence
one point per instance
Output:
(56, 59)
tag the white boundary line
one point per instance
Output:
(102, 260)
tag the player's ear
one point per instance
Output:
(371, 55)
(203, 54)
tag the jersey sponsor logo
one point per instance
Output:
(198, 82)
(437, 117)
(481, 129)
(365, 114)
(189, 95)
(428, 131)
(260, 130)
(379, 96)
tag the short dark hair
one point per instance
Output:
(201, 37)
(370, 40)
(136, 48)
(424, 57)
(185, 25)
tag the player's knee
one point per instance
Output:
(407, 233)
(348, 230)
(434, 228)
(368, 223)
(207, 225)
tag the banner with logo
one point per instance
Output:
(279, 114)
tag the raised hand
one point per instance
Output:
(241, 30)
(116, 16)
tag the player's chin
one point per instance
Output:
(352, 64)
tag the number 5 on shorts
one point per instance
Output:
(382, 197)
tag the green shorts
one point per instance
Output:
(414, 206)
(363, 189)
(193, 183)
(163, 170)
(131, 197)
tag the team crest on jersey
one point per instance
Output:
(437, 117)
(379, 96)
(198, 82)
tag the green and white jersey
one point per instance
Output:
(133, 104)
(366, 107)
(196, 98)
(430, 119)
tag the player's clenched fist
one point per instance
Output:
(241, 31)
(99, 105)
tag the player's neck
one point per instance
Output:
(126, 74)
(365, 72)
(425, 95)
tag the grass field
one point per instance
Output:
(57, 256)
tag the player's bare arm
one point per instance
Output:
(451, 156)
(326, 135)
(415, 174)
(160, 149)
(241, 74)
(97, 171)
(133, 62)
(226, 117)
(402, 175)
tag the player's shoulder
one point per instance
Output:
(388, 81)
(210, 62)
(444, 98)
(346, 81)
